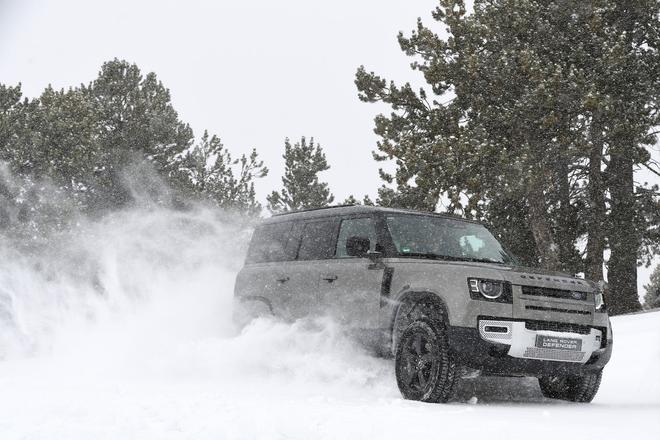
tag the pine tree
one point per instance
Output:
(631, 84)
(136, 122)
(54, 138)
(518, 121)
(114, 140)
(63, 143)
(302, 188)
(652, 296)
(351, 200)
(84, 138)
(207, 170)
(11, 112)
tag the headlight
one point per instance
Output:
(494, 290)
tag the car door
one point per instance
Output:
(316, 247)
(349, 286)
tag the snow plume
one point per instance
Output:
(115, 268)
(143, 296)
(119, 327)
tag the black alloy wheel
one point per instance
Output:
(419, 361)
(424, 370)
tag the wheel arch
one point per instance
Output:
(248, 307)
(256, 298)
(409, 307)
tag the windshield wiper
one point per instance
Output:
(433, 256)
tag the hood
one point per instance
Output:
(520, 275)
(529, 276)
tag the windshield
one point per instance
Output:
(438, 237)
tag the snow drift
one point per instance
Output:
(120, 328)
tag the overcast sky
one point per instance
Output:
(252, 71)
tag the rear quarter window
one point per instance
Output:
(318, 240)
(269, 243)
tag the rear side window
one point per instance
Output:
(318, 240)
(269, 243)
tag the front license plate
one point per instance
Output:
(556, 343)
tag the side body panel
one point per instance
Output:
(257, 282)
(349, 291)
(299, 296)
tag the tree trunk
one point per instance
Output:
(596, 194)
(623, 238)
(565, 222)
(540, 226)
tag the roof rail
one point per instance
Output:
(314, 209)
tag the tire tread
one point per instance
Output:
(444, 387)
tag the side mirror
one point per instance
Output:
(357, 246)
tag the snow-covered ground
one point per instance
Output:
(152, 355)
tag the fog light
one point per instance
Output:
(496, 329)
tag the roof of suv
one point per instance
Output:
(330, 211)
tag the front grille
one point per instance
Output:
(554, 293)
(558, 327)
(558, 310)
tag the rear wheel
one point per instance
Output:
(245, 311)
(574, 388)
(425, 369)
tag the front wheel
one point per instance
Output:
(424, 366)
(574, 388)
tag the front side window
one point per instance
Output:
(355, 227)
(444, 238)
(318, 240)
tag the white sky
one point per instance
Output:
(252, 72)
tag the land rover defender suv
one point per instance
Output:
(437, 292)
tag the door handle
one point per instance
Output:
(282, 280)
(330, 278)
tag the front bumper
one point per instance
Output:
(508, 347)
(556, 345)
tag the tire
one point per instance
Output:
(573, 388)
(425, 369)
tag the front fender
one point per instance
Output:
(448, 282)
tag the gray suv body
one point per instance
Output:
(438, 292)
